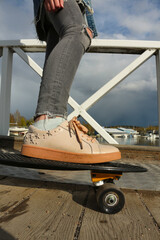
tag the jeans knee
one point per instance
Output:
(81, 33)
(87, 37)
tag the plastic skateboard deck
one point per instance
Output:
(22, 161)
(110, 199)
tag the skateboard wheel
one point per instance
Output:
(110, 199)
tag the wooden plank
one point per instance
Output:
(47, 210)
(11, 197)
(151, 200)
(51, 212)
(133, 222)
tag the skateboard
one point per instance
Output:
(110, 199)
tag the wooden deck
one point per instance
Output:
(31, 209)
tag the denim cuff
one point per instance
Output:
(51, 115)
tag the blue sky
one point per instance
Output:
(133, 102)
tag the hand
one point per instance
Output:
(53, 5)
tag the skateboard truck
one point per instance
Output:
(110, 199)
(99, 178)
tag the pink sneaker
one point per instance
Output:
(67, 143)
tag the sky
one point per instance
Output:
(133, 101)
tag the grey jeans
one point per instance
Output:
(67, 41)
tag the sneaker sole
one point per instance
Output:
(63, 156)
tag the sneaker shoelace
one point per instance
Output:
(80, 131)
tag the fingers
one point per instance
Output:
(61, 3)
(47, 5)
(53, 5)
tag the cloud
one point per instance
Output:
(132, 19)
(16, 20)
(126, 108)
(133, 101)
(96, 70)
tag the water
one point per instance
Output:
(141, 141)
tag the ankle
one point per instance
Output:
(44, 122)
(41, 117)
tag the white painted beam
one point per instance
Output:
(158, 87)
(127, 44)
(117, 79)
(79, 111)
(98, 128)
(29, 60)
(98, 45)
(5, 94)
(141, 44)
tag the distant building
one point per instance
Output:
(17, 131)
(121, 132)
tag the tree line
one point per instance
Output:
(20, 121)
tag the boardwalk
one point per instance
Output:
(35, 204)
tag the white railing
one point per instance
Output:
(144, 49)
